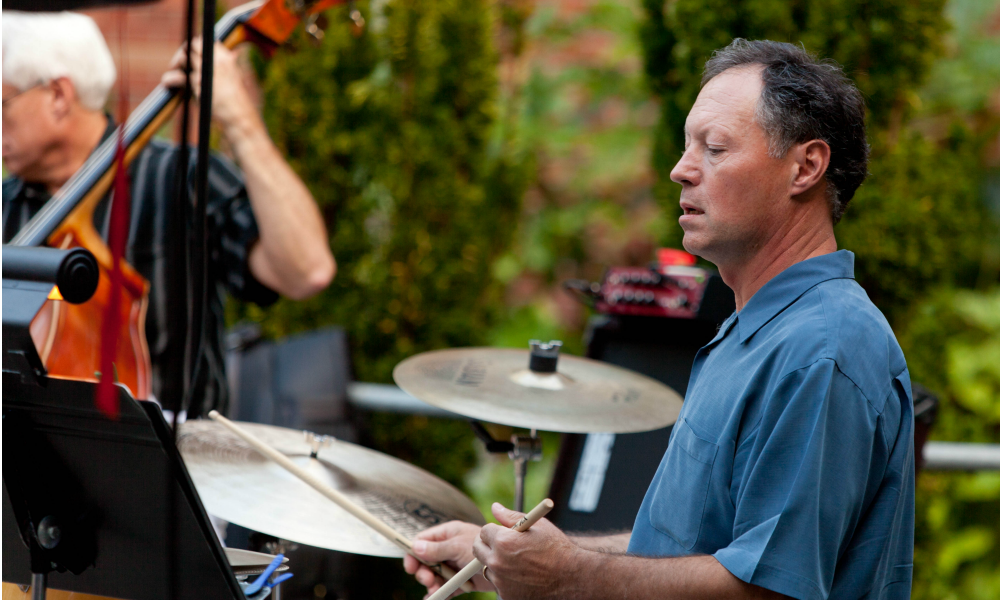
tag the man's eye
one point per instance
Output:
(716, 151)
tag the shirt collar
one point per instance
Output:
(788, 286)
(12, 187)
(109, 130)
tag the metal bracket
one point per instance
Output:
(526, 447)
(318, 442)
(493, 445)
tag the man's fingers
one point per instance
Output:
(506, 517)
(175, 79)
(435, 552)
(177, 59)
(442, 531)
(427, 578)
(410, 564)
(180, 57)
(489, 533)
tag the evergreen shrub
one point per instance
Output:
(390, 127)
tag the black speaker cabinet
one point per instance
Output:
(600, 479)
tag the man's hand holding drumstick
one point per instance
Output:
(543, 554)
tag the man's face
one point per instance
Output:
(30, 130)
(733, 193)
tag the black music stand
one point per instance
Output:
(104, 485)
(92, 504)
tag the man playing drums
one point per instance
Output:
(790, 470)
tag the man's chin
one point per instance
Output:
(691, 244)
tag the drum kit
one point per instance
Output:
(331, 494)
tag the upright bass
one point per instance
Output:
(68, 335)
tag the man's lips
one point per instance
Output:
(690, 209)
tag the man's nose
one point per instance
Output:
(685, 172)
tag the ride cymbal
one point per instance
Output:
(238, 484)
(539, 390)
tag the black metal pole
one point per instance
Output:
(199, 247)
(182, 216)
(182, 289)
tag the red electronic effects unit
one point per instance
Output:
(671, 287)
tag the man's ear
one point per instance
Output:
(811, 160)
(64, 96)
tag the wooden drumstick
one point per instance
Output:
(449, 587)
(339, 499)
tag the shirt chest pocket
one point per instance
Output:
(678, 503)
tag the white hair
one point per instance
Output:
(40, 47)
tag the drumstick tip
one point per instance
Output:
(213, 414)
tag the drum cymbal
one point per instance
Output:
(497, 386)
(238, 484)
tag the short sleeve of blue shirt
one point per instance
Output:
(792, 460)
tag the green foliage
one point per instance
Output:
(580, 116)
(952, 343)
(887, 47)
(966, 78)
(390, 130)
(917, 222)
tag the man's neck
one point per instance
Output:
(800, 239)
(67, 158)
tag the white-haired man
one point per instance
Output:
(790, 469)
(265, 233)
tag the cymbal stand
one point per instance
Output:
(526, 447)
(520, 449)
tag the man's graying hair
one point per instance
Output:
(805, 99)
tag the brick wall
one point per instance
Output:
(145, 37)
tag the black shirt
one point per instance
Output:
(231, 229)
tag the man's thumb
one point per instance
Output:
(505, 516)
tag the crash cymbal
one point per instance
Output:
(539, 389)
(236, 483)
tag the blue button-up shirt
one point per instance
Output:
(792, 459)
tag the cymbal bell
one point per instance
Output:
(568, 394)
(238, 484)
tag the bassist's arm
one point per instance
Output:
(292, 256)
